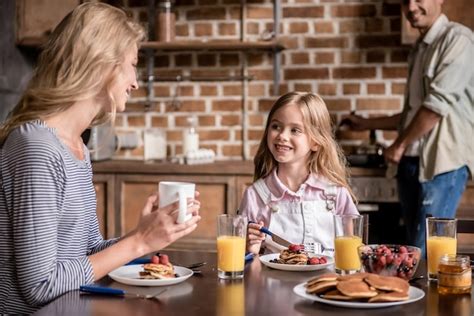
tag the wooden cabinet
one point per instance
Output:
(104, 188)
(37, 18)
(242, 182)
(217, 195)
(122, 188)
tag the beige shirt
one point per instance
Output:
(448, 89)
(415, 94)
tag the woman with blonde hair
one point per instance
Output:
(300, 177)
(51, 242)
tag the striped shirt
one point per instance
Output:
(48, 222)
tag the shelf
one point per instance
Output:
(222, 45)
(180, 78)
(34, 42)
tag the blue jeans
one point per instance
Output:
(438, 197)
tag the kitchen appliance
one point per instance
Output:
(368, 154)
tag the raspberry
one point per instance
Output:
(409, 262)
(164, 259)
(382, 261)
(155, 260)
(295, 248)
(313, 260)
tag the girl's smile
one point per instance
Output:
(287, 139)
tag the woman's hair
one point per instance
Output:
(328, 160)
(80, 59)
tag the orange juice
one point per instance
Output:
(230, 299)
(347, 257)
(230, 253)
(436, 247)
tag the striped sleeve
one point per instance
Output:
(36, 197)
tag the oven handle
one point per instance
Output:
(367, 207)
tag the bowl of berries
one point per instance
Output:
(390, 260)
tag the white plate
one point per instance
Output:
(294, 267)
(414, 293)
(130, 275)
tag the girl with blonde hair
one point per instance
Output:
(300, 177)
(51, 243)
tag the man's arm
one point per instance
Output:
(423, 122)
(385, 123)
(359, 123)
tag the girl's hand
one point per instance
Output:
(157, 227)
(255, 237)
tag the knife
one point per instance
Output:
(95, 289)
(279, 240)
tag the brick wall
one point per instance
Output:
(347, 51)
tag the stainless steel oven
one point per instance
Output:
(378, 199)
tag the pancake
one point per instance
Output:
(291, 257)
(337, 296)
(350, 277)
(387, 283)
(356, 289)
(321, 287)
(389, 297)
(157, 271)
(322, 278)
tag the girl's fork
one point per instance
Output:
(309, 247)
(313, 247)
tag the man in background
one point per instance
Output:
(434, 149)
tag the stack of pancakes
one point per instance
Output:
(363, 287)
(157, 271)
(292, 257)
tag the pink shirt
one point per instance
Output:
(312, 189)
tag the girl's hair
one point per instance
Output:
(328, 160)
(80, 59)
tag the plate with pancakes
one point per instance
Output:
(150, 275)
(360, 290)
(294, 264)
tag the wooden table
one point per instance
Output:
(262, 292)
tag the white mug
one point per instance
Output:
(170, 192)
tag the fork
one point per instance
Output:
(94, 289)
(316, 247)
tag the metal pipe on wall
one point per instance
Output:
(244, 74)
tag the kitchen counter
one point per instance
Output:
(123, 185)
(220, 167)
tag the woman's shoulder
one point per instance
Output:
(31, 136)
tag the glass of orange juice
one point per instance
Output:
(230, 298)
(231, 233)
(440, 240)
(348, 236)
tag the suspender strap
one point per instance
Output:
(330, 194)
(262, 190)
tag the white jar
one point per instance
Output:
(190, 140)
(154, 141)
